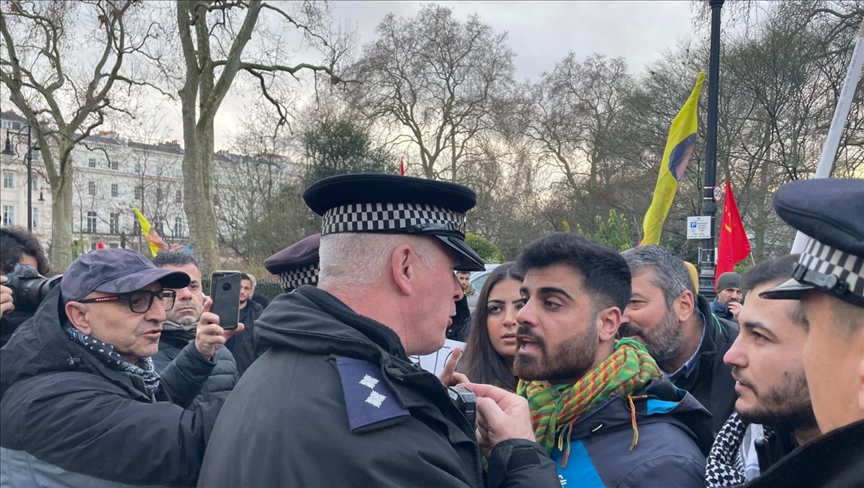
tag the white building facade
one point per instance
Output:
(111, 177)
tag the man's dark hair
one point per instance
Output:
(773, 271)
(768, 272)
(174, 259)
(15, 243)
(606, 277)
(244, 276)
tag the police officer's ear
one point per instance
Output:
(78, 316)
(403, 267)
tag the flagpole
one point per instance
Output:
(841, 113)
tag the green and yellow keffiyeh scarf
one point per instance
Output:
(555, 408)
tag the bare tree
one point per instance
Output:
(213, 40)
(63, 97)
(435, 80)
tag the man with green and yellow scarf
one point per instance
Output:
(602, 408)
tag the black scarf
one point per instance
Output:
(107, 354)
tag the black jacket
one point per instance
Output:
(711, 380)
(674, 436)
(64, 415)
(835, 460)
(243, 346)
(221, 378)
(336, 402)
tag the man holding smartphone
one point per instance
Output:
(336, 401)
(243, 346)
(80, 401)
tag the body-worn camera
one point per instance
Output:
(29, 288)
(466, 401)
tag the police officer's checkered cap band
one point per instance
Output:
(307, 275)
(827, 260)
(384, 217)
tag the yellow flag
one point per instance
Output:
(679, 147)
(156, 242)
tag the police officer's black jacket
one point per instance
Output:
(711, 380)
(335, 402)
(835, 460)
(67, 419)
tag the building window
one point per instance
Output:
(35, 222)
(160, 228)
(91, 163)
(8, 214)
(92, 246)
(178, 197)
(91, 222)
(114, 245)
(178, 173)
(139, 193)
(159, 171)
(158, 195)
(114, 224)
(34, 185)
(114, 190)
(136, 227)
(115, 165)
(178, 227)
(91, 188)
(8, 180)
(138, 168)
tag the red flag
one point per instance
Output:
(734, 245)
(402, 166)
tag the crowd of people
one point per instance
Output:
(582, 366)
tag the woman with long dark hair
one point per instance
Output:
(491, 345)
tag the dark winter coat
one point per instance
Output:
(336, 402)
(66, 419)
(243, 345)
(835, 460)
(711, 380)
(674, 439)
(220, 382)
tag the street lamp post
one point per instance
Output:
(709, 205)
(11, 152)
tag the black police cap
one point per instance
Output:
(831, 212)
(297, 264)
(393, 204)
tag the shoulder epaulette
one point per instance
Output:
(368, 398)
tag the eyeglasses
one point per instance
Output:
(139, 301)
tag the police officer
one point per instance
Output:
(297, 264)
(335, 401)
(829, 281)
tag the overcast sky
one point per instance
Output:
(541, 33)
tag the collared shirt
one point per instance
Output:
(688, 367)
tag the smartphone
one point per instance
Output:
(225, 293)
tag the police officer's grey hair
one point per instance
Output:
(670, 272)
(361, 258)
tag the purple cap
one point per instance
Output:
(115, 271)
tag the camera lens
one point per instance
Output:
(226, 286)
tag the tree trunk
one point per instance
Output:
(61, 221)
(198, 168)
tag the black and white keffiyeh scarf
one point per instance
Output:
(107, 354)
(725, 467)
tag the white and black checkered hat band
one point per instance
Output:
(307, 275)
(388, 217)
(826, 261)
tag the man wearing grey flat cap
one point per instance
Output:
(80, 401)
(336, 401)
(829, 281)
